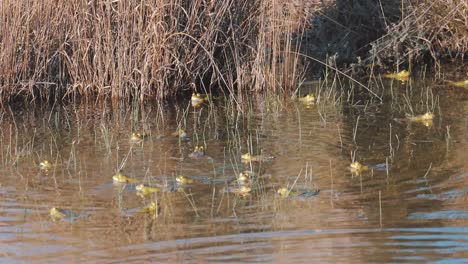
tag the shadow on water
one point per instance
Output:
(418, 169)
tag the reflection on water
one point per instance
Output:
(419, 170)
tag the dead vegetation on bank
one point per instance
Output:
(134, 49)
(161, 48)
(389, 34)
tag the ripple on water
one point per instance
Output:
(346, 222)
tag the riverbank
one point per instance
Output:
(134, 51)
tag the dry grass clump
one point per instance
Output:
(389, 33)
(158, 48)
(437, 28)
(343, 29)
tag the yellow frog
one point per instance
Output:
(121, 178)
(146, 190)
(420, 118)
(284, 192)
(463, 83)
(183, 180)
(180, 133)
(45, 165)
(198, 152)
(357, 167)
(242, 190)
(249, 158)
(137, 137)
(198, 99)
(308, 99)
(152, 208)
(243, 178)
(57, 213)
(402, 75)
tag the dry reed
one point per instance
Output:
(153, 49)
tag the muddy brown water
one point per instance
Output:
(419, 171)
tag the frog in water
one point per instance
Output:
(198, 99)
(420, 118)
(45, 165)
(119, 177)
(286, 192)
(197, 153)
(251, 158)
(243, 190)
(309, 99)
(59, 214)
(137, 137)
(357, 168)
(145, 190)
(180, 133)
(401, 75)
(152, 208)
(184, 180)
(463, 83)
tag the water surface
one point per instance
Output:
(418, 170)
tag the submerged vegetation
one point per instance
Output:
(122, 176)
(160, 49)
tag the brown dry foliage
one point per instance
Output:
(53, 49)
(389, 33)
(437, 28)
